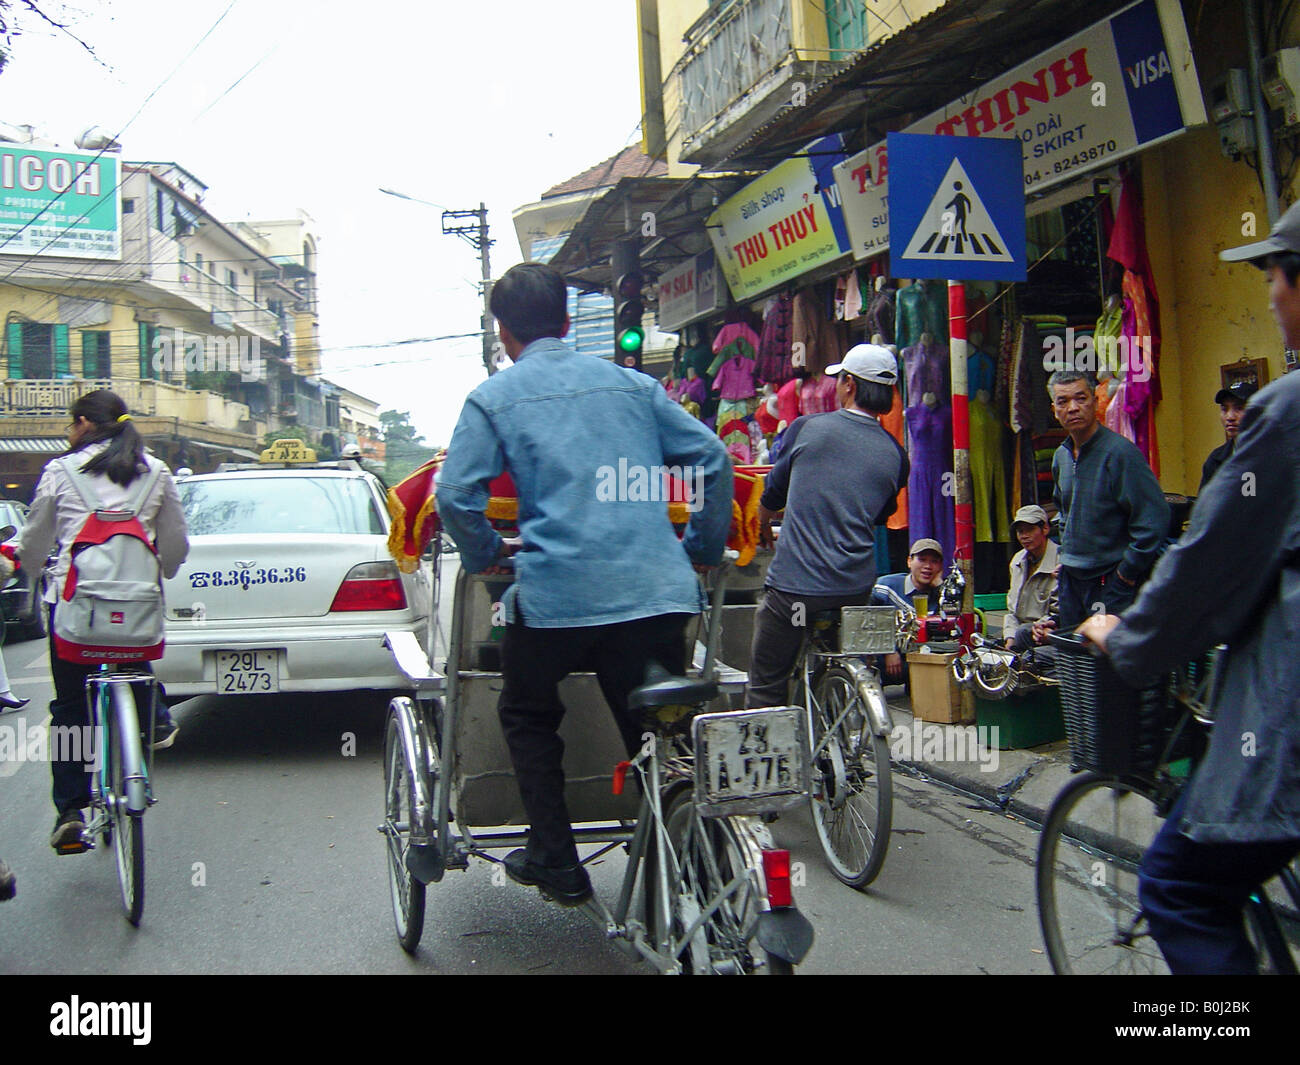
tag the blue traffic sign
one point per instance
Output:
(956, 207)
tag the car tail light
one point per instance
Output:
(371, 586)
(776, 871)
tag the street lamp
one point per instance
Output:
(476, 235)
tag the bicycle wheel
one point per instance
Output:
(128, 825)
(713, 874)
(1088, 853)
(852, 788)
(399, 806)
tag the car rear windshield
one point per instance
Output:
(257, 505)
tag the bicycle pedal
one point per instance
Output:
(78, 847)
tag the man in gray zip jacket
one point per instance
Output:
(1234, 577)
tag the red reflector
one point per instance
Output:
(776, 871)
(370, 595)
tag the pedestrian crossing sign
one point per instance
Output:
(957, 205)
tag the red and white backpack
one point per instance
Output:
(111, 606)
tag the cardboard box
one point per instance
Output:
(935, 695)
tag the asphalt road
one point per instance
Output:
(262, 857)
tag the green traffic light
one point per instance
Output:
(631, 339)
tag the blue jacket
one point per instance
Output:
(587, 444)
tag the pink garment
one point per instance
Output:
(1117, 417)
(695, 390)
(736, 331)
(735, 379)
(787, 400)
(818, 395)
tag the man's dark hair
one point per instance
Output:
(873, 397)
(1068, 377)
(531, 301)
(1289, 262)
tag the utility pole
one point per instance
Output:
(475, 233)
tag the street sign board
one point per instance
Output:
(957, 207)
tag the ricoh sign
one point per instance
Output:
(59, 203)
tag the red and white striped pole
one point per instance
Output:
(965, 552)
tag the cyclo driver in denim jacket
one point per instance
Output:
(602, 581)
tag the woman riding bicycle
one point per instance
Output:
(107, 446)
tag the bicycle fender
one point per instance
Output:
(786, 933)
(882, 721)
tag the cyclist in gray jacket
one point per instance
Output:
(1234, 577)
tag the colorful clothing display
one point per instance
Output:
(925, 369)
(735, 378)
(817, 396)
(922, 307)
(988, 475)
(880, 315)
(787, 401)
(931, 500)
(773, 364)
(893, 425)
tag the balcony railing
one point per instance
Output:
(25, 398)
(745, 44)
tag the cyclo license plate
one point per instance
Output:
(248, 672)
(751, 761)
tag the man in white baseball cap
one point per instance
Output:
(837, 478)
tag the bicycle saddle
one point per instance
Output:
(663, 689)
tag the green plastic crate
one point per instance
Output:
(1023, 720)
(993, 601)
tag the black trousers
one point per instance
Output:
(780, 624)
(534, 661)
(1081, 597)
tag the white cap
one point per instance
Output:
(870, 362)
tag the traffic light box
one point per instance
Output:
(629, 309)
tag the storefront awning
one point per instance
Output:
(666, 213)
(44, 445)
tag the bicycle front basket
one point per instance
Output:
(1112, 728)
(868, 630)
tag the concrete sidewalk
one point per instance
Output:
(1021, 782)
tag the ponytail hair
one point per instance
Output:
(123, 460)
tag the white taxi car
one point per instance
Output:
(289, 586)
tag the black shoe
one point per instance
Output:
(67, 835)
(12, 702)
(568, 885)
(8, 883)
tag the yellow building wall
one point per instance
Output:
(1212, 312)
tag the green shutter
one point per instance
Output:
(62, 365)
(145, 361)
(89, 354)
(14, 337)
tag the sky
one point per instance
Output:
(289, 105)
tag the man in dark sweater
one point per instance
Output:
(1114, 517)
(836, 479)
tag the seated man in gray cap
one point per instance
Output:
(924, 576)
(1033, 578)
(1232, 405)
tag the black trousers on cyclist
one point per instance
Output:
(780, 623)
(533, 662)
(1194, 895)
(71, 789)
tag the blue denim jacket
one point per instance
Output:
(587, 443)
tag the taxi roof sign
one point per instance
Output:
(289, 450)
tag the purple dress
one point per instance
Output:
(930, 511)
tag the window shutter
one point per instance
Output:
(14, 338)
(62, 364)
(144, 351)
(89, 354)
